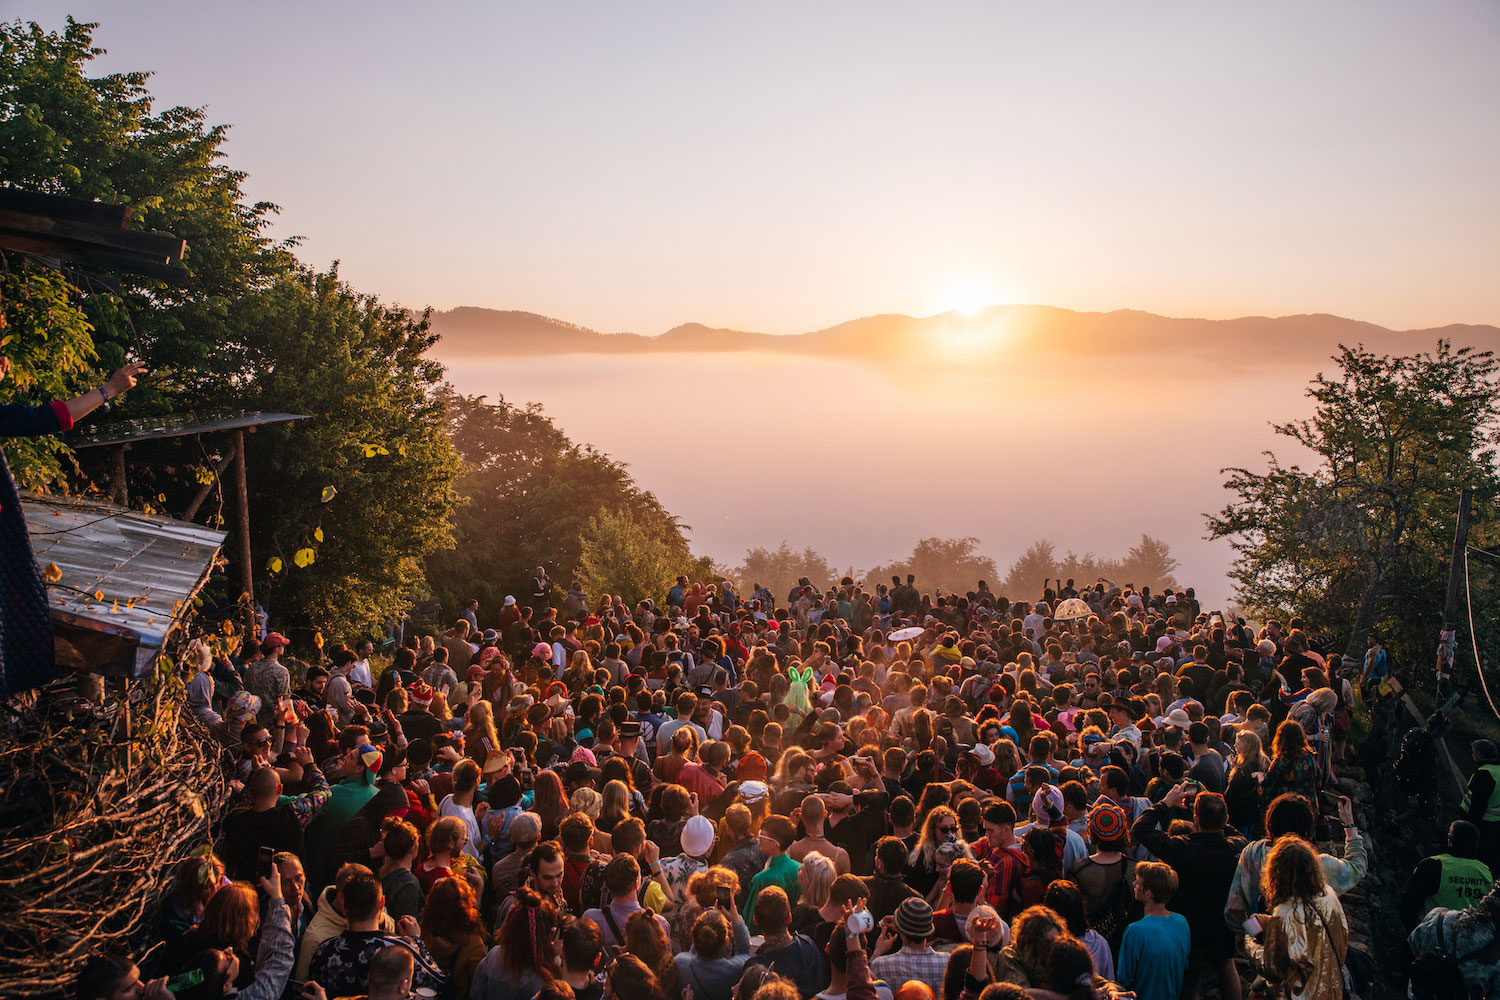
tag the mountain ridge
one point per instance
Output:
(468, 331)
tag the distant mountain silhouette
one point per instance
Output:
(1036, 331)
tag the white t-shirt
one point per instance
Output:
(466, 813)
(359, 673)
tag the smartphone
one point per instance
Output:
(725, 898)
(265, 862)
(1330, 801)
(1253, 927)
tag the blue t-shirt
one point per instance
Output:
(1153, 957)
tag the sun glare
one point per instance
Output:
(968, 296)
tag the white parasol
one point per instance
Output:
(1073, 607)
(903, 634)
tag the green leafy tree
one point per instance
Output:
(619, 555)
(377, 437)
(51, 347)
(1359, 542)
(780, 568)
(529, 494)
(65, 132)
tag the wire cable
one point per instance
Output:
(1473, 638)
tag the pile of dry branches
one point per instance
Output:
(99, 797)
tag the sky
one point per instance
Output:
(787, 166)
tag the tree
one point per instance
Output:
(1023, 581)
(619, 555)
(780, 568)
(528, 495)
(50, 345)
(1149, 563)
(1360, 541)
(950, 565)
(377, 437)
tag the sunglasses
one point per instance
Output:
(947, 829)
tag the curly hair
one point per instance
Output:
(451, 911)
(1292, 872)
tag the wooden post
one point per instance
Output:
(117, 487)
(207, 488)
(1448, 638)
(242, 528)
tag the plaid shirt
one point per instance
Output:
(922, 964)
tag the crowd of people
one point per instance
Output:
(846, 794)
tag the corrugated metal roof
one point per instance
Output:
(124, 572)
(174, 425)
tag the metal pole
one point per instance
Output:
(242, 528)
(1448, 638)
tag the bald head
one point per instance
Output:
(264, 785)
(813, 813)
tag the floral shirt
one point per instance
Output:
(341, 965)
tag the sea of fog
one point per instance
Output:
(860, 459)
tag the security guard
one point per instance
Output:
(1455, 880)
(1481, 804)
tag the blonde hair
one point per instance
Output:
(588, 802)
(820, 875)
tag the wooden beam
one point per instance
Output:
(98, 213)
(117, 487)
(242, 528)
(111, 260)
(207, 488)
(164, 248)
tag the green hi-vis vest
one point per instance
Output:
(1492, 807)
(1462, 883)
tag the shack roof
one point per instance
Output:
(127, 578)
(175, 425)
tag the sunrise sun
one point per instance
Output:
(969, 295)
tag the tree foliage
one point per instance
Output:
(251, 329)
(780, 568)
(620, 555)
(529, 495)
(1148, 563)
(376, 435)
(952, 565)
(1360, 541)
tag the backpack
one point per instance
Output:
(1435, 975)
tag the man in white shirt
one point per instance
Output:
(360, 673)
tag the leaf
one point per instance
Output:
(98, 595)
(228, 627)
(318, 534)
(274, 564)
(318, 639)
(401, 449)
(304, 558)
(329, 492)
(53, 572)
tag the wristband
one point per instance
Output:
(104, 393)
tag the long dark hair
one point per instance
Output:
(527, 938)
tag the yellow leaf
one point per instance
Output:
(274, 564)
(317, 534)
(227, 627)
(114, 608)
(161, 498)
(53, 572)
(98, 595)
(370, 450)
(318, 639)
(303, 558)
(329, 493)
(401, 450)
(381, 449)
